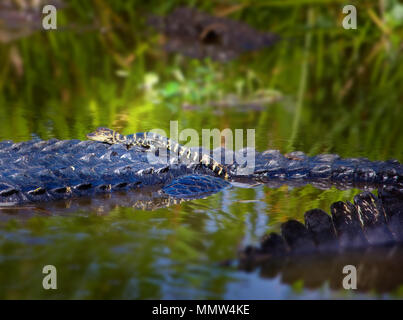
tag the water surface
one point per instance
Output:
(73, 82)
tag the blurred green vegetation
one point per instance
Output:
(104, 66)
(325, 89)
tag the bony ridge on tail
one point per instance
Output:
(151, 139)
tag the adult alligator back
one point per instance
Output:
(272, 164)
(46, 170)
(39, 170)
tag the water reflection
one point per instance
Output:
(378, 270)
(106, 247)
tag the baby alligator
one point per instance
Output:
(38, 171)
(151, 139)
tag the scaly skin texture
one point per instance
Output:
(37, 170)
(366, 234)
(151, 139)
(370, 221)
(270, 164)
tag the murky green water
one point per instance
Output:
(72, 83)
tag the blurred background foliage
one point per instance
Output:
(105, 66)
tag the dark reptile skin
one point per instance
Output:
(367, 234)
(38, 170)
(369, 221)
